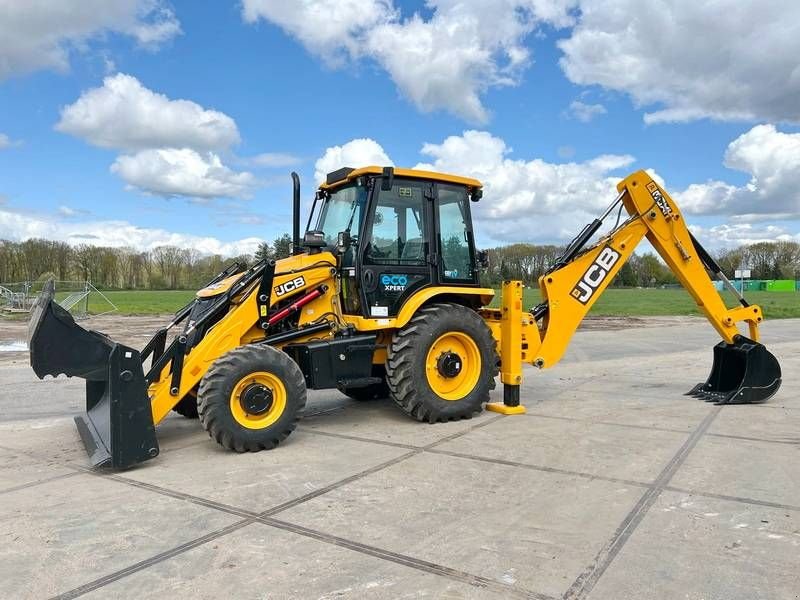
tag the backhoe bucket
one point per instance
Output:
(744, 372)
(117, 428)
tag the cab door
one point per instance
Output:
(395, 248)
(454, 236)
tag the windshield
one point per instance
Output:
(338, 208)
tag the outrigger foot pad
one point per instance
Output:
(117, 428)
(744, 372)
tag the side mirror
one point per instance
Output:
(343, 242)
(477, 194)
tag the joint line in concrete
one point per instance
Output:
(586, 581)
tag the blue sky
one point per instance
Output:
(295, 89)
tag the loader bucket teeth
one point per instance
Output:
(744, 372)
(117, 428)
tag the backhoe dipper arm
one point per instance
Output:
(571, 291)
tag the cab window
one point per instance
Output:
(398, 226)
(453, 233)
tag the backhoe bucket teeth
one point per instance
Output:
(117, 428)
(744, 372)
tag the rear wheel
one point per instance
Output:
(251, 398)
(442, 364)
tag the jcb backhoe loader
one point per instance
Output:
(380, 298)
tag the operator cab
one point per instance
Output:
(397, 231)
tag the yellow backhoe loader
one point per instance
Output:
(381, 298)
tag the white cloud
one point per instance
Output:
(528, 200)
(123, 114)
(182, 172)
(172, 147)
(524, 200)
(19, 226)
(585, 112)
(727, 59)
(444, 62)
(331, 29)
(41, 34)
(7, 142)
(355, 153)
(733, 235)
(273, 160)
(771, 158)
(70, 212)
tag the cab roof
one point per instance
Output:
(347, 174)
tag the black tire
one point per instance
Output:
(187, 407)
(407, 356)
(229, 371)
(374, 391)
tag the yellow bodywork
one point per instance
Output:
(240, 325)
(570, 292)
(220, 287)
(472, 184)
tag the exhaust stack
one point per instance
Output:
(296, 244)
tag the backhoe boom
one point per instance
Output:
(579, 277)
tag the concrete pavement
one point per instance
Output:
(613, 486)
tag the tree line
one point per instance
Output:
(527, 262)
(162, 268)
(171, 267)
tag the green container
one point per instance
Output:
(752, 285)
(781, 285)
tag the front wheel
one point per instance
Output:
(441, 365)
(251, 398)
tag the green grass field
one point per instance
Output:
(142, 302)
(613, 303)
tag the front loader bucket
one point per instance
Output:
(744, 372)
(117, 428)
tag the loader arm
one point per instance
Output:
(743, 371)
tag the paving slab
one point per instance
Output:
(257, 481)
(775, 423)
(578, 446)
(60, 534)
(17, 470)
(696, 548)
(259, 562)
(533, 529)
(27, 398)
(679, 413)
(57, 439)
(53, 439)
(742, 468)
(384, 421)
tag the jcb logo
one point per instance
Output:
(662, 203)
(595, 275)
(289, 286)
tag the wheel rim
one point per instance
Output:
(258, 400)
(453, 365)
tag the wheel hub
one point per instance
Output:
(256, 399)
(449, 364)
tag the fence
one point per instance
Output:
(79, 297)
